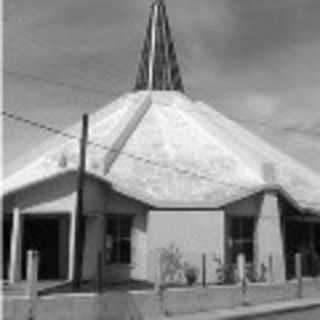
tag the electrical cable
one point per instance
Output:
(136, 157)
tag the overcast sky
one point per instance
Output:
(258, 62)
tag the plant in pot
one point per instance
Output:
(191, 274)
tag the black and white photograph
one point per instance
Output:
(160, 160)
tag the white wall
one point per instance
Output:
(56, 195)
(93, 245)
(192, 232)
(139, 247)
(95, 228)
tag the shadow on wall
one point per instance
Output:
(55, 192)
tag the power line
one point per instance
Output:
(133, 156)
(38, 125)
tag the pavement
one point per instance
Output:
(253, 312)
(20, 288)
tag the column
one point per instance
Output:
(72, 240)
(139, 247)
(16, 247)
(92, 245)
(269, 239)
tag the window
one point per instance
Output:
(118, 239)
(242, 230)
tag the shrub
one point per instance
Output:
(171, 263)
(191, 274)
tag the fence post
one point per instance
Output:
(99, 272)
(241, 263)
(270, 268)
(159, 283)
(298, 270)
(32, 280)
(204, 270)
(158, 276)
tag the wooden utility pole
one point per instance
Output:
(79, 217)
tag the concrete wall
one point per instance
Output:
(101, 201)
(139, 247)
(270, 238)
(56, 195)
(53, 196)
(138, 305)
(93, 245)
(193, 233)
(100, 198)
(246, 207)
(59, 195)
(268, 234)
(95, 228)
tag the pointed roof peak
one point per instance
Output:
(158, 68)
(155, 2)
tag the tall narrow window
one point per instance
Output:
(118, 239)
(242, 230)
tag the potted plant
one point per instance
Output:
(191, 274)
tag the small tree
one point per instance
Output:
(170, 263)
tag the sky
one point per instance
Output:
(257, 62)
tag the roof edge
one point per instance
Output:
(170, 205)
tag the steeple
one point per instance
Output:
(158, 68)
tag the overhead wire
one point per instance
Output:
(133, 156)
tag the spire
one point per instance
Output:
(158, 67)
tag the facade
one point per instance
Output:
(162, 172)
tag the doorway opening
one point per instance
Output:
(303, 237)
(47, 234)
(6, 238)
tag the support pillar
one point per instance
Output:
(16, 247)
(72, 240)
(269, 238)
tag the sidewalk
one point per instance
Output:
(252, 311)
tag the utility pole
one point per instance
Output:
(79, 217)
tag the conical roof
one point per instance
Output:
(167, 150)
(158, 68)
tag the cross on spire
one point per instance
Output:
(158, 68)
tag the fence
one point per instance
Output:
(175, 294)
(174, 269)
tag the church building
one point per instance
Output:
(162, 171)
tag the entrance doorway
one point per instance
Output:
(302, 237)
(47, 235)
(241, 238)
(240, 230)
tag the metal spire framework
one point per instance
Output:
(158, 67)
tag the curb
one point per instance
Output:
(240, 313)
